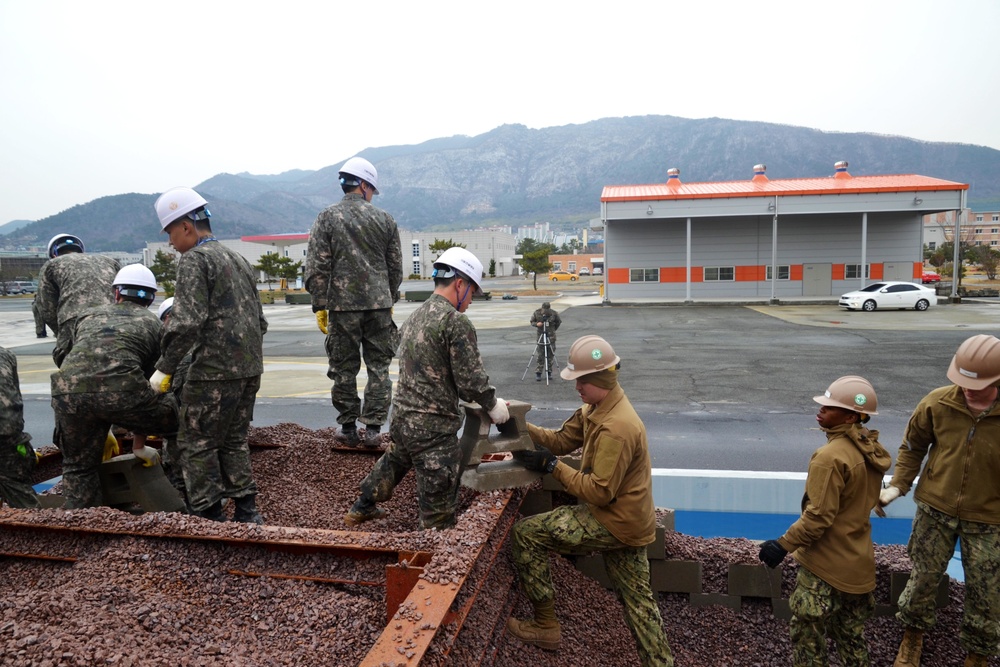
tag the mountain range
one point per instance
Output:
(514, 175)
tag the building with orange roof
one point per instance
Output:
(781, 238)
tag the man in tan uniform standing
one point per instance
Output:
(616, 516)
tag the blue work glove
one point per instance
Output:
(772, 553)
(539, 459)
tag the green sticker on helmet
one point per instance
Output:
(859, 399)
(596, 354)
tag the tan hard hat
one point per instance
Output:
(588, 354)
(976, 364)
(850, 392)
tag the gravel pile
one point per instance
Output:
(142, 599)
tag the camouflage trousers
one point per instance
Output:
(573, 530)
(931, 546)
(820, 611)
(17, 462)
(545, 353)
(212, 441)
(353, 335)
(82, 425)
(436, 461)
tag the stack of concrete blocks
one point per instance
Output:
(478, 441)
(685, 577)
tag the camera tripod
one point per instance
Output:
(545, 344)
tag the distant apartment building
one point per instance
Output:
(975, 228)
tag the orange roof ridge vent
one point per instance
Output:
(759, 173)
(840, 170)
(673, 177)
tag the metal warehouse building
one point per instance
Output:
(762, 238)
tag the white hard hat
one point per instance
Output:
(136, 275)
(137, 281)
(165, 307)
(363, 169)
(178, 202)
(61, 242)
(461, 260)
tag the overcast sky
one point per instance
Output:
(100, 98)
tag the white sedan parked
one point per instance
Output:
(890, 294)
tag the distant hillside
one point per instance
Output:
(515, 175)
(14, 225)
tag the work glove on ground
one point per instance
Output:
(772, 553)
(160, 382)
(499, 414)
(539, 459)
(323, 321)
(149, 456)
(886, 496)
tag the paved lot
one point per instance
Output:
(719, 386)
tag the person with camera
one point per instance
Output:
(546, 321)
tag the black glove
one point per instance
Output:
(539, 459)
(772, 553)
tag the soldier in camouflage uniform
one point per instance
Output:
(832, 539)
(957, 429)
(616, 516)
(218, 318)
(353, 271)
(439, 364)
(546, 321)
(17, 458)
(69, 283)
(102, 381)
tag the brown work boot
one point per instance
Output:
(363, 510)
(542, 631)
(909, 649)
(976, 660)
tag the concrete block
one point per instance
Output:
(593, 567)
(657, 550)
(536, 502)
(755, 581)
(50, 501)
(708, 599)
(667, 518)
(897, 582)
(125, 482)
(675, 576)
(781, 609)
(477, 442)
(885, 610)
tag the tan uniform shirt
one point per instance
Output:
(615, 477)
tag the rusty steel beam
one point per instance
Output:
(425, 611)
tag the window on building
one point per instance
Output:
(644, 275)
(979, 243)
(557, 266)
(784, 272)
(979, 230)
(853, 271)
(572, 267)
(416, 248)
(303, 253)
(416, 267)
(996, 217)
(724, 273)
(979, 218)
(993, 242)
(932, 245)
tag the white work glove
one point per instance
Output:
(149, 456)
(499, 414)
(885, 497)
(160, 382)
